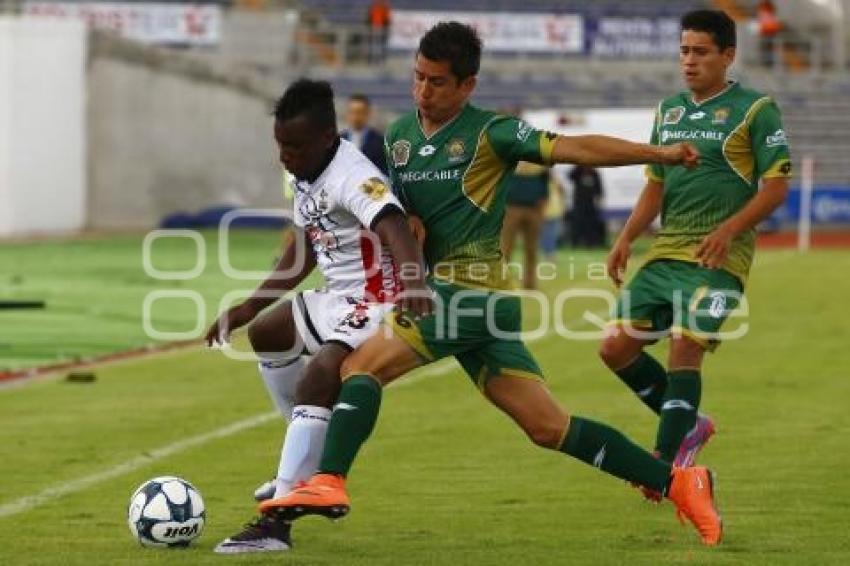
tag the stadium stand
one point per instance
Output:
(353, 12)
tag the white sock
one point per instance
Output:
(302, 447)
(281, 378)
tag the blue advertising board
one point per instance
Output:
(627, 37)
(830, 205)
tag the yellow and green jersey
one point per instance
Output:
(455, 180)
(740, 138)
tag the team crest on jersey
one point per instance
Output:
(401, 153)
(674, 115)
(720, 116)
(374, 188)
(456, 150)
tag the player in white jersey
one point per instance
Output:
(350, 225)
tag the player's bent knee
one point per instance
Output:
(686, 354)
(546, 435)
(357, 364)
(385, 360)
(612, 353)
(261, 337)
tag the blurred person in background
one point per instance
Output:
(553, 218)
(528, 190)
(379, 18)
(587, 229)
(769, 27)
(365, 138)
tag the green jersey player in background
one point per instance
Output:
(696, 269)
(448, 162)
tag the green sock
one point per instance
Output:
(678, 411)
(353, 419)
(647, 378)
(609, 450)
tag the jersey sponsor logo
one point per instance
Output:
(400, 153)
(456, 150)
(427, 150)
(697, 115)
(674, 115)
(678, 135)
(718, 304)
(375, 189)
(785, 168)
(437, 175)
(324, 241)
(523, 130)
(776, 139)
(720, 116)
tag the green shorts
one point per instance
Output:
(668, 296)
(480, 328)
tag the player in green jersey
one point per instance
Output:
(449, 162)
(697, 266)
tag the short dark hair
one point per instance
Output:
(456, 43)
(717, 23)
(315, 99)
(360, 97)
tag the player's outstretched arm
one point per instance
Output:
(395, 233)
(647, 208)
(606, 151)
(714, 248)
(296, 263)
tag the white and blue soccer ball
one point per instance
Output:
(166, 511)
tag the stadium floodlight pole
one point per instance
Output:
(807, 181)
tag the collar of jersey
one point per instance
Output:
(729, 86)
(441, 128)
(326, 164)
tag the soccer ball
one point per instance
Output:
(166, 511)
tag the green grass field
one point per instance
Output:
(445, 479)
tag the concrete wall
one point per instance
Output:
(42, 127)
(169, 132)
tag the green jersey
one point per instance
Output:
(456, 181)
(740, 138)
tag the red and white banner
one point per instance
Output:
(500, 31)
(185, 24)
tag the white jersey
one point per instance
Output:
(336, 212)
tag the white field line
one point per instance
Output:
(439, 368)
(65, 488)
(29, 502)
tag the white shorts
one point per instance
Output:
(322, 317)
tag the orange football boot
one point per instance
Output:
(323, 494)
(692, 491)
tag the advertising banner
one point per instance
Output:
(500, 31)
(637, 37)
(183, 24)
